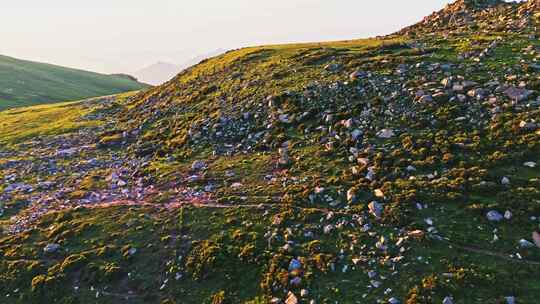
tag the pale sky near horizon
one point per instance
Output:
(112, 36)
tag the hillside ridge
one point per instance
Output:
(26, 82)
(397, 169)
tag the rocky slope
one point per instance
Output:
(402, 169)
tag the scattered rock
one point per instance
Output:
(51, 248)
(385, 133)
(375, 209)
(358, 75)
(393, 301)
(295, 265)
(517, 94)
(530, 164)
(198, 165)
(510, 300)
(523, 243)
(291, 298)
(448, 300)
(494, 216)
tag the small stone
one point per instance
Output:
(333, 67)
(385, 133)
(510, 300)
(523, 243)
(530, 164)
(425, 99)
(304, 293)
(410, 168)
(494, 216)
(507, 214)
(328, 228)
(375, 209)
(236, 185)
(375, 284)
(468, 84)
(393, 301)
(461, 97)
(417, 234)
(284, 118)
(295, 265)
(357, 75)
(275, 301)
(447, 83)
(448, 300)
(284, 158)
(527, 125)
(296, 281)
(51, 248)
(517, 94)
(287, 248)
(351, 195)
(198, 165)
(348, 123)
(505, 181)
(291, 298)
(356, 134)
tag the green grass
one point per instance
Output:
(41, 120)
(24, 123)
(24, 83)
(238, 254)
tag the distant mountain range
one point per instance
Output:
(157, 73)
(161, 72)
(25, 83)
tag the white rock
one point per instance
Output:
(523, 243)
(356, 134)
(284, 118)
(510, 300)
(393, 301)
(448, 300)
(198, 165)
(385, 133)
(375, 209)
(494, 216)
(51, 248)
(351, 195)
(530, 164)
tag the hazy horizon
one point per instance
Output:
(121, 36)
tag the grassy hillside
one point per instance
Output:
(25, 83)
(402, 169)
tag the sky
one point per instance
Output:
(122, 36)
